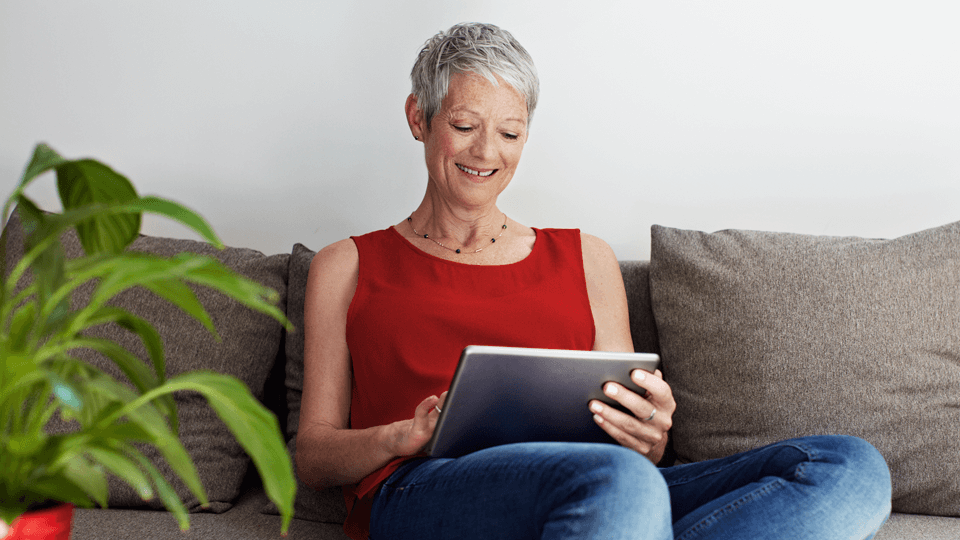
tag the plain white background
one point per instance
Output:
(282, 121)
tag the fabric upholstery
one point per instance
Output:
(766, 336)
(242, 522)
(325, 505)
(636, 281)
(248, 349)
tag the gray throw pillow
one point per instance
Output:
(248, 349)
(767, 336)
(325, 505)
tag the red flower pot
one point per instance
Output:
(49, 524)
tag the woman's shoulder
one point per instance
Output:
(339, 258)
(594, 245)
(342, 249)
(346, 251)
(598, 257)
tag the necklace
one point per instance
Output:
(457, 250)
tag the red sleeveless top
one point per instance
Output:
(413, 313)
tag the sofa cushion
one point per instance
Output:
(248, 349)
(766, 336)
(636, 281)
(325, 505)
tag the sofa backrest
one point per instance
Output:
(636, 279)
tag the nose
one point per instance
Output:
(485, 145)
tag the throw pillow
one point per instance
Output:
(325, 505)
(767, 336)
(248, 349)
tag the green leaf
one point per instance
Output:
(23, 321)
(19, 374)
(151, 339)
(89, 478)
(157, 274)
(44, 159)
(44, 255)
(167, 494)
(31, 216)
(254, 427)
(25, 444)
(141, 412)
(250, 293)
(85, 182)
(124, 468)
(153, 344)
(181, 296)
(177, 212)
(58, 487)
(79, 373)
(143, 378)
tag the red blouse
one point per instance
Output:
(413, 313)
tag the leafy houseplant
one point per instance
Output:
(39, 377)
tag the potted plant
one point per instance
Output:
(40, 379)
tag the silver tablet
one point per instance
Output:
(502, 395)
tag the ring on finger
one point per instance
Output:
(649, 418)
(439, 411)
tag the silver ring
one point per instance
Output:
(439, 411)
(649, 418)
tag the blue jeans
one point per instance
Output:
(815, 487)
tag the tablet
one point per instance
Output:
(503, 395)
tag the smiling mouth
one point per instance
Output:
(476, 173)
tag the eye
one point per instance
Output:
(511, 136)
(462, 129)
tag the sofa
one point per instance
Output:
(763, 336)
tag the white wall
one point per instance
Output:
(282, 121)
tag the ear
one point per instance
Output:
(415, 118)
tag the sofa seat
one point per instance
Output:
(244, 521)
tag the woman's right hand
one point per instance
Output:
(409, 437)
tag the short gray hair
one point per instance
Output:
(478, 48)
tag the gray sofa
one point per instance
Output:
(659, 291)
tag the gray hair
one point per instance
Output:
(478, 48)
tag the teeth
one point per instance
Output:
(471, 171)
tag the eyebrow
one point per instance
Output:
(471, 111)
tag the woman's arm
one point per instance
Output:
(608, 301)
(328, 452)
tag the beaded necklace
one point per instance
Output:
(457, 250)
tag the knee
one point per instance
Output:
(625, 473)
(622, 488)
(861, 462)
(861, 479)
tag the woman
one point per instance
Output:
(387, 314)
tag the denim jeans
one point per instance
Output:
(820, 487)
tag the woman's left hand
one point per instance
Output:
(646, 429)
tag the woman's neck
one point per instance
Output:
(457, 227)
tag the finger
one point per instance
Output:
(659, 393)
(441, 401)
(641, 407)
(640, 439)
(428, 404)
(426, 414)
(651, 430)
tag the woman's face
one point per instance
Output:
(474, 142)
